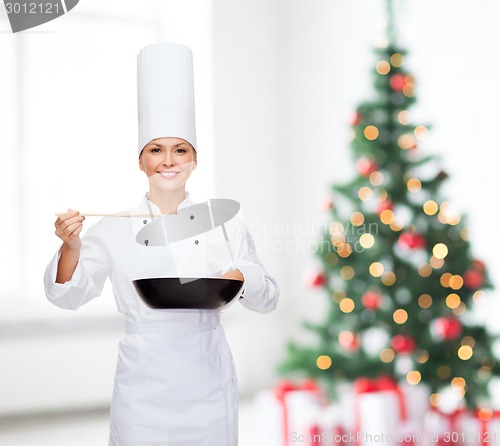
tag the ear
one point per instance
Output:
(195, 164)
(140, 165)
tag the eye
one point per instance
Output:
(155, 150)
(181, 150)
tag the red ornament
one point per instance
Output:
(397, 82)
(366, 166)
(356, 118)
(349, 341)
(315, 279)
(410, 240)
(327, 203)
(371, 300)
(474, 279)
(447, 328)
(478, 265)
(385, 205)
(403, 344)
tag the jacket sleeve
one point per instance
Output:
(88, 278)
(261, 291)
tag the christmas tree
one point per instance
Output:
(397, 265)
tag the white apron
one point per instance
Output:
(175, 381)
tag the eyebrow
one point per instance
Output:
(162, 145)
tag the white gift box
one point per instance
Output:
(288, 421)
(475, 431)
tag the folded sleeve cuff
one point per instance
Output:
(55, 290)
(254, 281)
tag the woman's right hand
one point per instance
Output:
(68, 228)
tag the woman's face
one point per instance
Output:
(168, 163)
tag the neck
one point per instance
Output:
(167, 201)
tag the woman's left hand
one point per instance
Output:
(233, 275)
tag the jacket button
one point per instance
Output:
(196, 242)
(144, 221)
(191, 217)
(146, 242)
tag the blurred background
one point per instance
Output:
(277, 82)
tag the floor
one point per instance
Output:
(89, 429)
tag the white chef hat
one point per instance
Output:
(165, 93)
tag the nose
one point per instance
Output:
(168, 160)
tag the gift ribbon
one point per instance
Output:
(281, 390)
(452, 419)
(485, 438)
(381, 384)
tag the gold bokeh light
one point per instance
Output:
(400, 316)
(366, 240)
(383, 67)
(376, 269)
(365, 193)
(430, 207)
(324, 362)
(346, 305)
(424, 301)
(440, 250)
(371, 132)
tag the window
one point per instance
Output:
(69, 137)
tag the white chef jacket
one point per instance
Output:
(175, 382)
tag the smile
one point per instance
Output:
(165, 174)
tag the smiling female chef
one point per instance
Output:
(175, 381)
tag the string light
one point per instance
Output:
(324, 362)
(422, 356)
(413, 377)
(468, 340)
(440, 250)
(376, 269)
(460, 309)
(383, 67)
(406, 141)
(420, 132)
(371, 132)
(346, 305)
(387, 355)
(425, 270)
(436, 263)
(404, 117)
(365, 193)
(479, 296)
(453, 300)
(485, 414)
(430, 207)
(458, 383)
(388, 278)
(434, 399)
(397, 60)
(400, 316)
(376, 178)
(456, 282)
(344, 250)
(387, 216)
(424, 301)
(347, 272)
(445, 279)
(366, 240)
(357, 218)
(414, 185)
(465, 352)
(396, 226)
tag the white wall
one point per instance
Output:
(289, 74)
